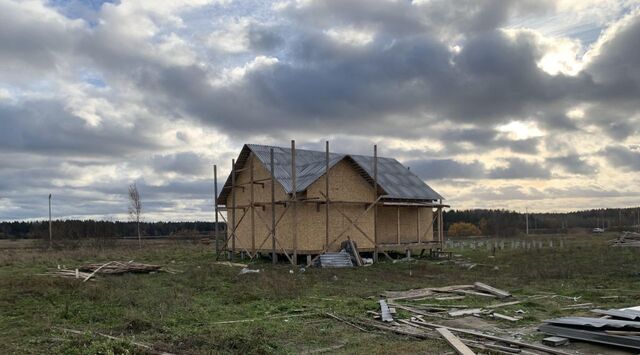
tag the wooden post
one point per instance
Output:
(252, 211)
(50, 231)
(215, 209)
(326, 194)
(274, 257)
(398, 227)
(233, 210)
(418, 223)
(375, 208)
(440, 225)
(294, 200)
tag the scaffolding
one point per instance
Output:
(237, 213)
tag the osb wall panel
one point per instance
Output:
(388, 224)
(345, 184)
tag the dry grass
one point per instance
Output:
(179, 312)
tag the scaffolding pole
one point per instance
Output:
(375, 208)
(274, 257)
(294, 200)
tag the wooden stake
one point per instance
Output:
(326, 194)
(273, 209)
(375, 208)
(294, 200)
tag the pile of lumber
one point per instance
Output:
(463, 341)
(617, 327)
(627, 239)
(477, 289)
(87, 272)
(117, 267)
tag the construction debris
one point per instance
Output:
(455, 343)
(492, 290)
(88, 272)
(228, 263)
(555, 341)
(385, 312)
(339, 259)
(248, 271)
(610, 331)
(627, 239)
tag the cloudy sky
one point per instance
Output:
(496, 103)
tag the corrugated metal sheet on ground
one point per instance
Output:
(394, 179)
(594, 322)
(340, 259)
(619, 313)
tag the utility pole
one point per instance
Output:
(527, 218)
(50, 233)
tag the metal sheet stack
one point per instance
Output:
(340, 259)
(619, 329)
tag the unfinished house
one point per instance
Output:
(303, 202)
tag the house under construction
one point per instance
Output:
(303, 202)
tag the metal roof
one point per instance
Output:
(395, 180)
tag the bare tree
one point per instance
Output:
(135, 208)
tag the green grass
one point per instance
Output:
(178, 312)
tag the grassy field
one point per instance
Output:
(181, 313)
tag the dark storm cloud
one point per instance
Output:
(574, 164)
(46, 127)
(186, 163)
(446, 169)
(622, 157)
(520, 169)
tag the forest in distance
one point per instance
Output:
(497, 222)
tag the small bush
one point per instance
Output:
(463, 229)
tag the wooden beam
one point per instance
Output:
(252, 206)
(346, 229)
(233, 204)
(375, 199)
(326, 194)
(215, 209)
(294, 198)
(398, 226)
(455, 343)
(273, 209)
(418, 222)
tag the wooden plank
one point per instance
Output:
(491, 337)
(465, 312)
(504, 304)
(375, 199)
(356, 254)
(492, 290)
(455, 343)
(326, 194)
(555, 341)
(385, 313)
(274, 258)
(294, 198)
(505, 317)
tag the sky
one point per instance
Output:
(515, 104)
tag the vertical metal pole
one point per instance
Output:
(50, 231)
(273, 210)
(233, 210)
(215, 209)
(326, 193)
(294, 198)
(375, 198)
(252, 211)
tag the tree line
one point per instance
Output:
(506, 223)
(79, 229)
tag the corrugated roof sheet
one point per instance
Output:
(394, 179)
